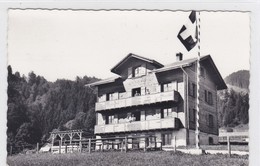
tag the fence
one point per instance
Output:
(14, 149)
(122, 144)
(103, 144)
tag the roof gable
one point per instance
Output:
(118, 67)
(211, 67)
(206, 60)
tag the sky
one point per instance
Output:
(59, 44)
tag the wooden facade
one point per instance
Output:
(148, 98)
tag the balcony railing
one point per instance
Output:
(138, 100)
(138, 126)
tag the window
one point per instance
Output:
(133, 116)
(211, 121)
(135, 143)
(202, 72)
(151, 114)
(211, 141)
(122, 118)
(150, 140)
(136, 92)
(192, 89)
(138, 71)
(167, 139)
(166, 87)
(167, 112)
(109, 96)
(110, 119)
(208, 97)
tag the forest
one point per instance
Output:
(233, 103)
(37, 107)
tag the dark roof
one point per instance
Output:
(104, 81)
(177, 64)
(184, 63)
(131, 55)
(203, 59)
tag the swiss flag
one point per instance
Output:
(188, 34)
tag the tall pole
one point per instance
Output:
(197, 132)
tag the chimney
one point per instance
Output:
(179, 56)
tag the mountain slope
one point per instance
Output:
(233, 103)
(239, 79)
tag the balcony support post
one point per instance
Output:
(122, 145)
(126, 144)
(155, 143)
(145, 144)
(102, 146)
(89, 145)
(174, 143)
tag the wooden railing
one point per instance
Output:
(138, 126)
(138, 100)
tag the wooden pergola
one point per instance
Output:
(62, 134)
(73, 144)
(71, 134)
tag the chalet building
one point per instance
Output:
(148, 98)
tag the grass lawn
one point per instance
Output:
(153, 158)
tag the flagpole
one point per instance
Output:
(197, 132)
(188, 40)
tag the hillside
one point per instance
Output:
(239, 79)
(36, 107)
(233, 103)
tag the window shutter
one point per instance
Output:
(162, 87)
(210, 98)
(207, 119)
(130, 72)
(174, 85)
(161, 111)
(142, 115)
(143, 69)
(103, 119)
(143, 90)
(206, 95)
(116, 118)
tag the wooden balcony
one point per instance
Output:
(138, 126)
(138, 100)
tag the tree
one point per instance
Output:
(36, 107)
